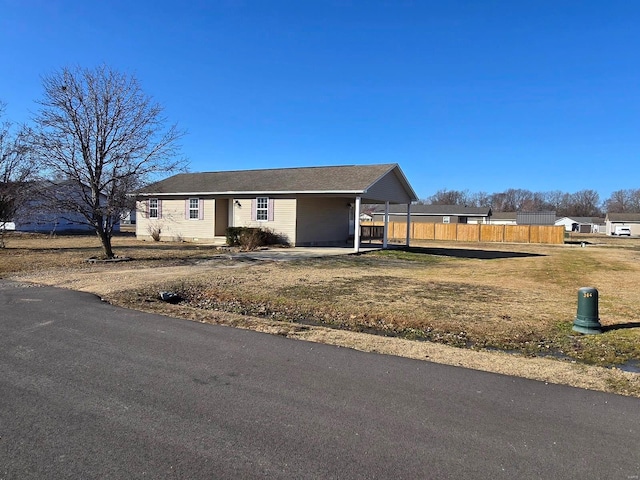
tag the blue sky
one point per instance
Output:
(475, 95)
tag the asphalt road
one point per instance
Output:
(88, 391)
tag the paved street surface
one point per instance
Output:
(88, 391)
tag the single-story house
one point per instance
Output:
(44, 222)
(40, 214)
(436, 214)
(309, 206)
(128, 218)
(631, 220)
(581, 224)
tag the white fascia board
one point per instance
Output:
(259, 192)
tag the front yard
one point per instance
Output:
(482, 297)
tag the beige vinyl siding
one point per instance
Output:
(284, 217)
(323, 221)
(388, 188)
(173, 225)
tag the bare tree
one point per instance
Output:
(448, 197)
(512, 200)
(623, 201)
(479, 199)
(634, 206)
(17, 167)
(556, 201)
(101, 134)
(584, 203)
(618, 202)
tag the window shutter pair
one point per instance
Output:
(147, 208)
(200, 209)
(254, 210)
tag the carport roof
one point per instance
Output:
(344, 179)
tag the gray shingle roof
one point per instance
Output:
(332, 179)
(623, 217)
(454, 210)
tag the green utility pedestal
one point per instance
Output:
(587, 320)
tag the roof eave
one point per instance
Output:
(255, 192)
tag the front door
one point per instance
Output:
(221, 220)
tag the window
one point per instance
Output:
(262, 208)
(446, 219)
(153, 208)
(194, 208)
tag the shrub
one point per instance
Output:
(251, 238)
(233, 236)
(154, 231)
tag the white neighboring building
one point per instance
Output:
(631, 220)
(128, 218)
(39, 220)
(37, 215)
(582, 224)
(504, 218)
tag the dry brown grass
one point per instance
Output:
(498, 296)
(37, 252)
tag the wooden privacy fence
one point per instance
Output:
(466, 232)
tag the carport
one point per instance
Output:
(391, 188)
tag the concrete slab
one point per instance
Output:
(298, 253)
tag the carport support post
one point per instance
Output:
(408, 223)
(385, 231)
(356, 232)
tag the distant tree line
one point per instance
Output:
(584, 203)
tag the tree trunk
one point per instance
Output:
(105, 239)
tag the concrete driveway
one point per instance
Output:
(301, 253)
